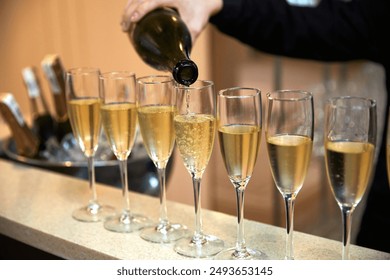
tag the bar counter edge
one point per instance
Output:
(36, 207)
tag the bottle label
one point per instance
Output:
(31, 82)
(48, 64)
(51, 77)
(9, 100)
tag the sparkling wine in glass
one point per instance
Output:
(350, 140)
(119, 118)
(289, 137)
(83, 104)
(156, 110)
(239, 133)
(195, 123)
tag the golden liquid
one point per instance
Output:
(349, 166)
(195, 135)
(157, 130)
(289, 157)
(188, 100)
(84, 115)
(239, 147)
(120, 122)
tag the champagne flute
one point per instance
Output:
(195, 133)
(289, 136)
(83, 103)
(119, 118)
(350, 140)
(239, 131)
(156, 109)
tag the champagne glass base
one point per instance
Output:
(164, 233)
(203, 247)
(93, 212)
(246, 254)
(126, 223)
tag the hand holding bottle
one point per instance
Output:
(194, 13)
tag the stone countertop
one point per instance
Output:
(36, 207)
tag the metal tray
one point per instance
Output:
(142, 174)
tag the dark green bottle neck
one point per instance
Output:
(185, 72)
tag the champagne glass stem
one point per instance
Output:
(163, 201)
(240, 243)
(198, 218)
(91, 176)
(125, 186)
(289, 201)
(347, 222)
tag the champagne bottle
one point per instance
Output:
(55, 75)
(163, 41)
(27, 143)
(42, 121)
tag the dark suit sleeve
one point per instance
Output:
(334, 30)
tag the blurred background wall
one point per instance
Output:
(88, 33)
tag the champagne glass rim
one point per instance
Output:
(83, 70)
(224, 92)
(117, 74)
(155, 79)
(198, 84)
(289, 95)
(335, 101)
